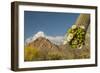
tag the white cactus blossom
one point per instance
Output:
(65, 42)
(69, 37)
(82, 27)
(80, 47)
(74, 27)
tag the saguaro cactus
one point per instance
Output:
(76, 34)
(83, 20)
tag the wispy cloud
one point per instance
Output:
(54, 39)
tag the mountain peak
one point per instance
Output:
(54, 39)
(42, 43)
(38, 34)
(40, 39)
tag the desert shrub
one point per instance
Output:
(54, 56)
(85, 53)
(68, 53)
(30, 53)
(43, 53)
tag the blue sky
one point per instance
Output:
(51, 23)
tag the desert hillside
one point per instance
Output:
(42, 48)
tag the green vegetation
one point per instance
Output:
(78, 37)
(54, 56)
(30, 54)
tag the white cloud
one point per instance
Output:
(54, 39)
(38, 34)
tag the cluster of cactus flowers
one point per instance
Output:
(76, 36)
